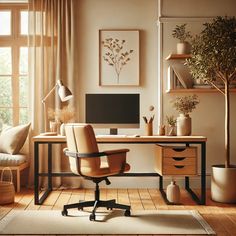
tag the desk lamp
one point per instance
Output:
(64, 94)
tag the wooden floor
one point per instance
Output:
(221, 217)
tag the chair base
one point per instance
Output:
(109, 204)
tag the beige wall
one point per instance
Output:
(142, 15)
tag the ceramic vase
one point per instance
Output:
(171, 130)
(183, 48)
(184, 125)
(62, 130)
(173, 193)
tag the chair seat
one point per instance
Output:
(12, 160)
(103, 171)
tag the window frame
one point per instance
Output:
(15, 41)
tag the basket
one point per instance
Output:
(7, 190)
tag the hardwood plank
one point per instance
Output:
(123, 197)
(61, 201)
(157, 199)
(112, 194)
(135, 201)
(146, 199)
(50, 200)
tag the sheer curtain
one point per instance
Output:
(51, 57)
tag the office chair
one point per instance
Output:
(85, 160)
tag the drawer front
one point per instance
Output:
(185, 166)
(186, 161)
(179, 152)
(179, 170)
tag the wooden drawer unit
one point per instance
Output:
(170, 160)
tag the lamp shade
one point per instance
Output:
(63, 92)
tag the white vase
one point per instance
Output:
(184, 125)
(62, 130)
(183, 48)
(173, 193)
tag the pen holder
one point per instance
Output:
(149, 129)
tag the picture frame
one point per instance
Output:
(119, 57)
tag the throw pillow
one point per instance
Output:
(13, 139)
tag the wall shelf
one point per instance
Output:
(177, 56)
(197, 90)
(179, 79)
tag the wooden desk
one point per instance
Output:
(186, 140)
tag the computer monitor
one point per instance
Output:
(112, 111)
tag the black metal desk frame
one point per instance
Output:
(39, 200)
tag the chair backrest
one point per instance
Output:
(81, 138)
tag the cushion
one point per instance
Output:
(12, 160)
(12, 140)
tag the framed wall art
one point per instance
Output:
(119, 57)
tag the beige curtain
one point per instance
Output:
(51, 58)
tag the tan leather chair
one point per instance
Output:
(85, 160)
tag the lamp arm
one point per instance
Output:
(45, 98)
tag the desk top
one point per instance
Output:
(126, 139)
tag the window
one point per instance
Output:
(13, 64)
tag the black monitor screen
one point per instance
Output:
(116, 110)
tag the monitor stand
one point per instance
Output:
(113, 131)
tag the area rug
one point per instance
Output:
(113, 222)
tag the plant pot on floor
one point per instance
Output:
(184, 125)
(223, 184)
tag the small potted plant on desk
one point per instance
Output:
(214, 59)
(183, 47)
(171, 121)
(185, 105)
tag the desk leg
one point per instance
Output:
(186, 182)
(160, 182)
(202, 199)
(203, 173)
(36, 172)
(49, 166)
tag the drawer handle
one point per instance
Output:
(178, 158)
(179, 149)
(178, 167)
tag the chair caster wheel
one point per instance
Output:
(64, 213)
(92, 217)
(127, 213)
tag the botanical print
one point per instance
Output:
(115, 55)
(118, 57)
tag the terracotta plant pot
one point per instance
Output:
(183, 48)
(223, 184)
(184, 125)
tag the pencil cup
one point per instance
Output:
(149, 128)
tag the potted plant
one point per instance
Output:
(183, 47)
(62, 116)
(185, 105)
(171, 121)
(214, 59)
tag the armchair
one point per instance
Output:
(85, 160)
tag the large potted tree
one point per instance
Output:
(214, 62)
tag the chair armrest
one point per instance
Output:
(82, 155)
(116, 160)
(117, 151)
